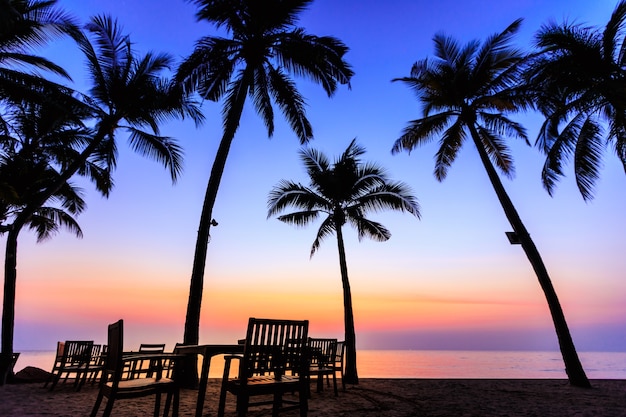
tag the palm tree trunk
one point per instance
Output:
(573, 367)
(8, 304)
(351, 375)
(196, 285)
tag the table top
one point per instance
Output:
(211, 349)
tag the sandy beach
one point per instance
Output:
(372, 397)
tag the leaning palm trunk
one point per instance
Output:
(196, 285)
(573, 367)
(350, 375)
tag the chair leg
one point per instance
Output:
(55, 380)
(222, 403)
(335, 384)
(81, 381)
(109, 407)
(242, 404)
(278, 400)
(176, 403)
(304, 402)
(157, 404)
(168, 403)
(96, 406)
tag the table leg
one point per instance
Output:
(204, 379)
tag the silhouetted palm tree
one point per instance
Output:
(345, 191)
(580, 81)
(127, 93)
(40, 140)
(264, 49)
(470, 90)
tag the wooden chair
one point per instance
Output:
(274, 362)
(96, 363)
(146, 366)
(321, 361)
(169, 365)
(72, 357)
(114, 387)
(338, 362)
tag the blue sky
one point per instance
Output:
(448, 281)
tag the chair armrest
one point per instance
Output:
(227, 361)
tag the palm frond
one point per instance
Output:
(47, 220)
(318, 58)
(314, 161)
(504, 126)
(449, 146)
(289, 194)
(327, 228)
(395, 196)
(421, 131)
(590, 147)
(497, 150)
(163, 149)
(299, 218)
(261, 99)
(291, 103)
(209, 67)
(614, 27)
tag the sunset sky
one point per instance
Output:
(448, 281)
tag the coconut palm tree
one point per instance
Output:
(264, 49)
(128, 92)
(25, 25)
(467, 93)
(40, 141)
(345, 191)
(579, 77)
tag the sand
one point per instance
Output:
(371, 397)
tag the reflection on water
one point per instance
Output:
(439, 364)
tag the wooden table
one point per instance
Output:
(207, 352)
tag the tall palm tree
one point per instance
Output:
(345, 191)
(471, 90)
(28, 157)
(579, 77)
(129, 93)
(24, 25)
(264, 49)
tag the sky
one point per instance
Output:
(448, 281)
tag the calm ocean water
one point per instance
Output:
(440, 364)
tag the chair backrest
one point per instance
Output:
(113, 365)
(321, 350)
(77, 351)
(60, 350)
(95, 354)
(340, 348)
(274, 347)
(152, 348)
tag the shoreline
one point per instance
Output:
(380, 397)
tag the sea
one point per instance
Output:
(440, 364)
